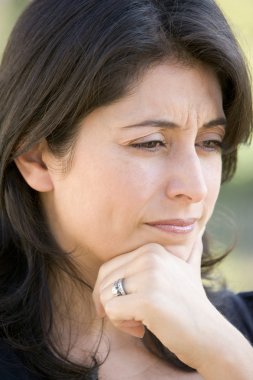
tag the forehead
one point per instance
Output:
(177, 92)
(193, 84)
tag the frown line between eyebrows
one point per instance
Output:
(220, 121)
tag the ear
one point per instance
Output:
(33, 168)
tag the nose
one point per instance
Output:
(186, 178)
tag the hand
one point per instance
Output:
(165, 294)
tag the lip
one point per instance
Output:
(176, 226)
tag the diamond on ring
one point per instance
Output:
(118, 288)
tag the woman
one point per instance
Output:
(119, 120)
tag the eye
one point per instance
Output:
(210, 145)
(152, 146)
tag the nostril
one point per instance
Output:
(187, 184)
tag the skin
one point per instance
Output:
(114, 189)
(124, 176)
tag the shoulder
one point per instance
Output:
(237, 308)
(11, 367)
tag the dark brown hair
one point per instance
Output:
(63, 60)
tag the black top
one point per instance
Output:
(237, 308)
(11, 367)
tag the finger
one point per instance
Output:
(109, 272)
(124, 259)
(131, 283)
(133, 263)
(137, 332)
(107, 282)
(118, 261)
(124, 311)
(113, 264)
(196, 254)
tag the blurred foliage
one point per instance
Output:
(236, 198)
(9, 11)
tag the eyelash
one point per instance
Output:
(211, 145)
(146, 145)
(206, 145)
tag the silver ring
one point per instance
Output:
(118, 288)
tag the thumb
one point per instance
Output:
(196, 254)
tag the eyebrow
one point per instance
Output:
(220, 121)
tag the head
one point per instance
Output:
(104, 65)
(74, 177)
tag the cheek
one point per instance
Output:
(103, 202)
(126, 190)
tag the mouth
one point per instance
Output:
(175, 226)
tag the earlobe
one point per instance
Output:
(34, 170)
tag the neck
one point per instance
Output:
(76, 327)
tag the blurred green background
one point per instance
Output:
(234, 211)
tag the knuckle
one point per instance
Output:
(153, 281)
(100, 273)
(108, 310)
(103, 298)
(151, 260)
(111, 311)
(154, 247)
(147, 302)
(101, 288)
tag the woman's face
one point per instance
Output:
(145, 169)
